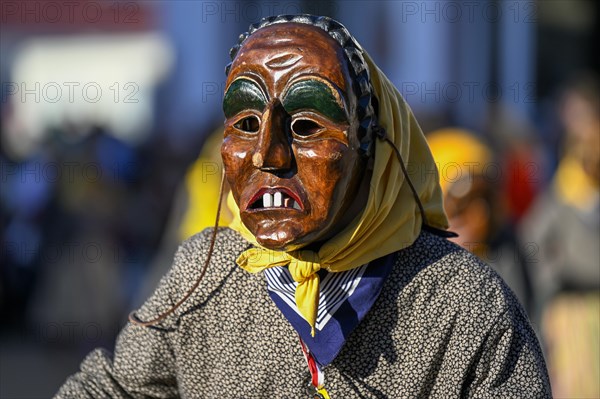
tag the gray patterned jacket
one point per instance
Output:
(444, 326)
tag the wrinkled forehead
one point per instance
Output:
(280, 52)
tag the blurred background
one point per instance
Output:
(109, 137)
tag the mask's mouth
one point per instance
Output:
(275, 198)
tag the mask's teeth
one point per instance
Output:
(296, 206)
(277, 199)
(267, 200)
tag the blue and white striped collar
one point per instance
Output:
(344, 300)
(334, 289)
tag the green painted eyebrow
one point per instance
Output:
(314, 95)
(243, 94)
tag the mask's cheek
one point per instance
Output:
(346, 173)
(236, 154)
(325, 170)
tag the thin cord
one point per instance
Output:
(132, 316)
(381, 133)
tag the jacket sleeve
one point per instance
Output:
(143, 364)
(511, 364)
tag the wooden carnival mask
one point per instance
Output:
(291, 151)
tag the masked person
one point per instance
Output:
(335, 279)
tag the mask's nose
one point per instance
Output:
(273, 150)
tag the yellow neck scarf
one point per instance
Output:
(390, 221)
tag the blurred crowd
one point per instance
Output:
(547, 248)
(90, 220)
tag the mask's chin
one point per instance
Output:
(278, 246)
(291, 235)
(278, 242)
(278, 235)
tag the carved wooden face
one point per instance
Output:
(291, 148)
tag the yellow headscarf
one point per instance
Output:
(391, 219)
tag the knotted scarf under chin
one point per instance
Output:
(303, 266)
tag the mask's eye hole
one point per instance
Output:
(305, 127)
(249, 124)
